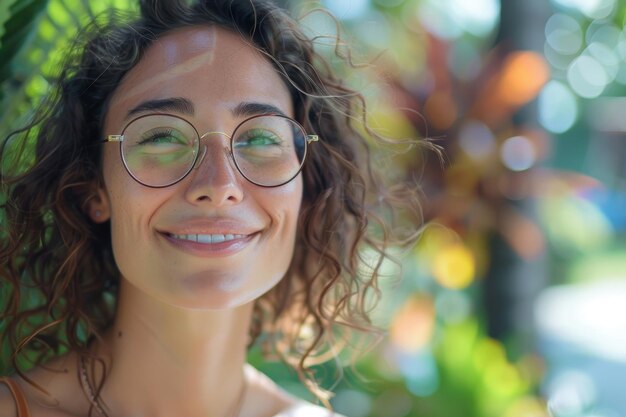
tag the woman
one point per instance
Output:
(198, 182)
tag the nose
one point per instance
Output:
(215, 180)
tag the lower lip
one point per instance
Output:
(226, 248)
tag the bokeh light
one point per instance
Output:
(523, 76)
(347, 9)
(573, 224)
(518, 153)
(420, 371)
(476, 139)
(593, 9)
(604, 33)
(570, 393)
(527, 407)
(590, 317)
(564, 34)
(449, 19)
(587, 77)
(606, 57)
(454, 266)
(556, 60)
(478, 17)
(413, 324)
(557, 107)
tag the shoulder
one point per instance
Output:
(304, 409)
(271, 400)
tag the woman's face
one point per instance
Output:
(222, 81)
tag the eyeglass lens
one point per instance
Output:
(160, 150)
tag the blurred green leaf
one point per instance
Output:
(36, 35)
(5, 5)
(18, 26)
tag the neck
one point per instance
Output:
(175, 361)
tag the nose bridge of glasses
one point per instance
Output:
(215, 132)
(205, 147)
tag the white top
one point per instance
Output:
(300, 409)
(305, 409)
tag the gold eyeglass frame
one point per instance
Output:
(120, 138)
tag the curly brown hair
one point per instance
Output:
(59, 279)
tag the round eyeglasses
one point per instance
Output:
(159, 150)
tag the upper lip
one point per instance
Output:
(211, 226)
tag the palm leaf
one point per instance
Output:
(33, 37)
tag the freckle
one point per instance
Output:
(119, 334)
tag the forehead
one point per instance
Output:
(210, 66)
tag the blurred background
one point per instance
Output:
(513, 302)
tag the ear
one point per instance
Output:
(99, 207)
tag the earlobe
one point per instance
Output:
(98, 207)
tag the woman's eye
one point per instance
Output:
(258, 137)
(164, 137)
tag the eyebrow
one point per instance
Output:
(177, 104)
(248, 108)
(185, 106)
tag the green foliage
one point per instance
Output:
(17, 26)
(34, 36)
(5, 5)
(472, 377)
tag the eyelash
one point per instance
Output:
(156, 135)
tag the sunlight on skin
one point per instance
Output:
(178, 61)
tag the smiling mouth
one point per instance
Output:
(207, 238)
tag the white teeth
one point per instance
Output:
(216, 238)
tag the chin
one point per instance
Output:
(208, 291)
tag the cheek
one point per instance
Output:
(132, 206)
(270, 264)
(126, 230)
(283, 205)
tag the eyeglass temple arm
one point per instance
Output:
(114, 138)
(312, 138)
